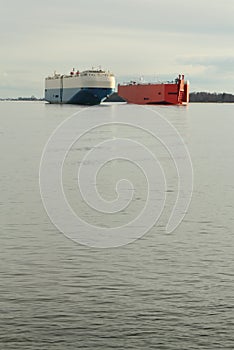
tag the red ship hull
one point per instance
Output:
(176, 93)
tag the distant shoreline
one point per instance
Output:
(32, 98)
(194, 97)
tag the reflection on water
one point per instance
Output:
(165, 291)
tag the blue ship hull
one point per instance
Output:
(81, 96)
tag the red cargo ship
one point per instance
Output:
(172, 93)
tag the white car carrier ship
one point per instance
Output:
(89, 87)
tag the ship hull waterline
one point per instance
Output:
(89, 87)
(174, 93)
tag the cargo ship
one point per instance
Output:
(168, 93)
(88, 87)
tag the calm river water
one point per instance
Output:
(163, 291)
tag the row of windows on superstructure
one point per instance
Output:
(93, 75)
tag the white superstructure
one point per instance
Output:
(87, 87)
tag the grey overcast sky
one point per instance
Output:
(132, 38)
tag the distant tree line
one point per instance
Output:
(193, 97)
(32, 98)
(210, 97)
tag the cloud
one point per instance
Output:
(216, 63)
(128, 37)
